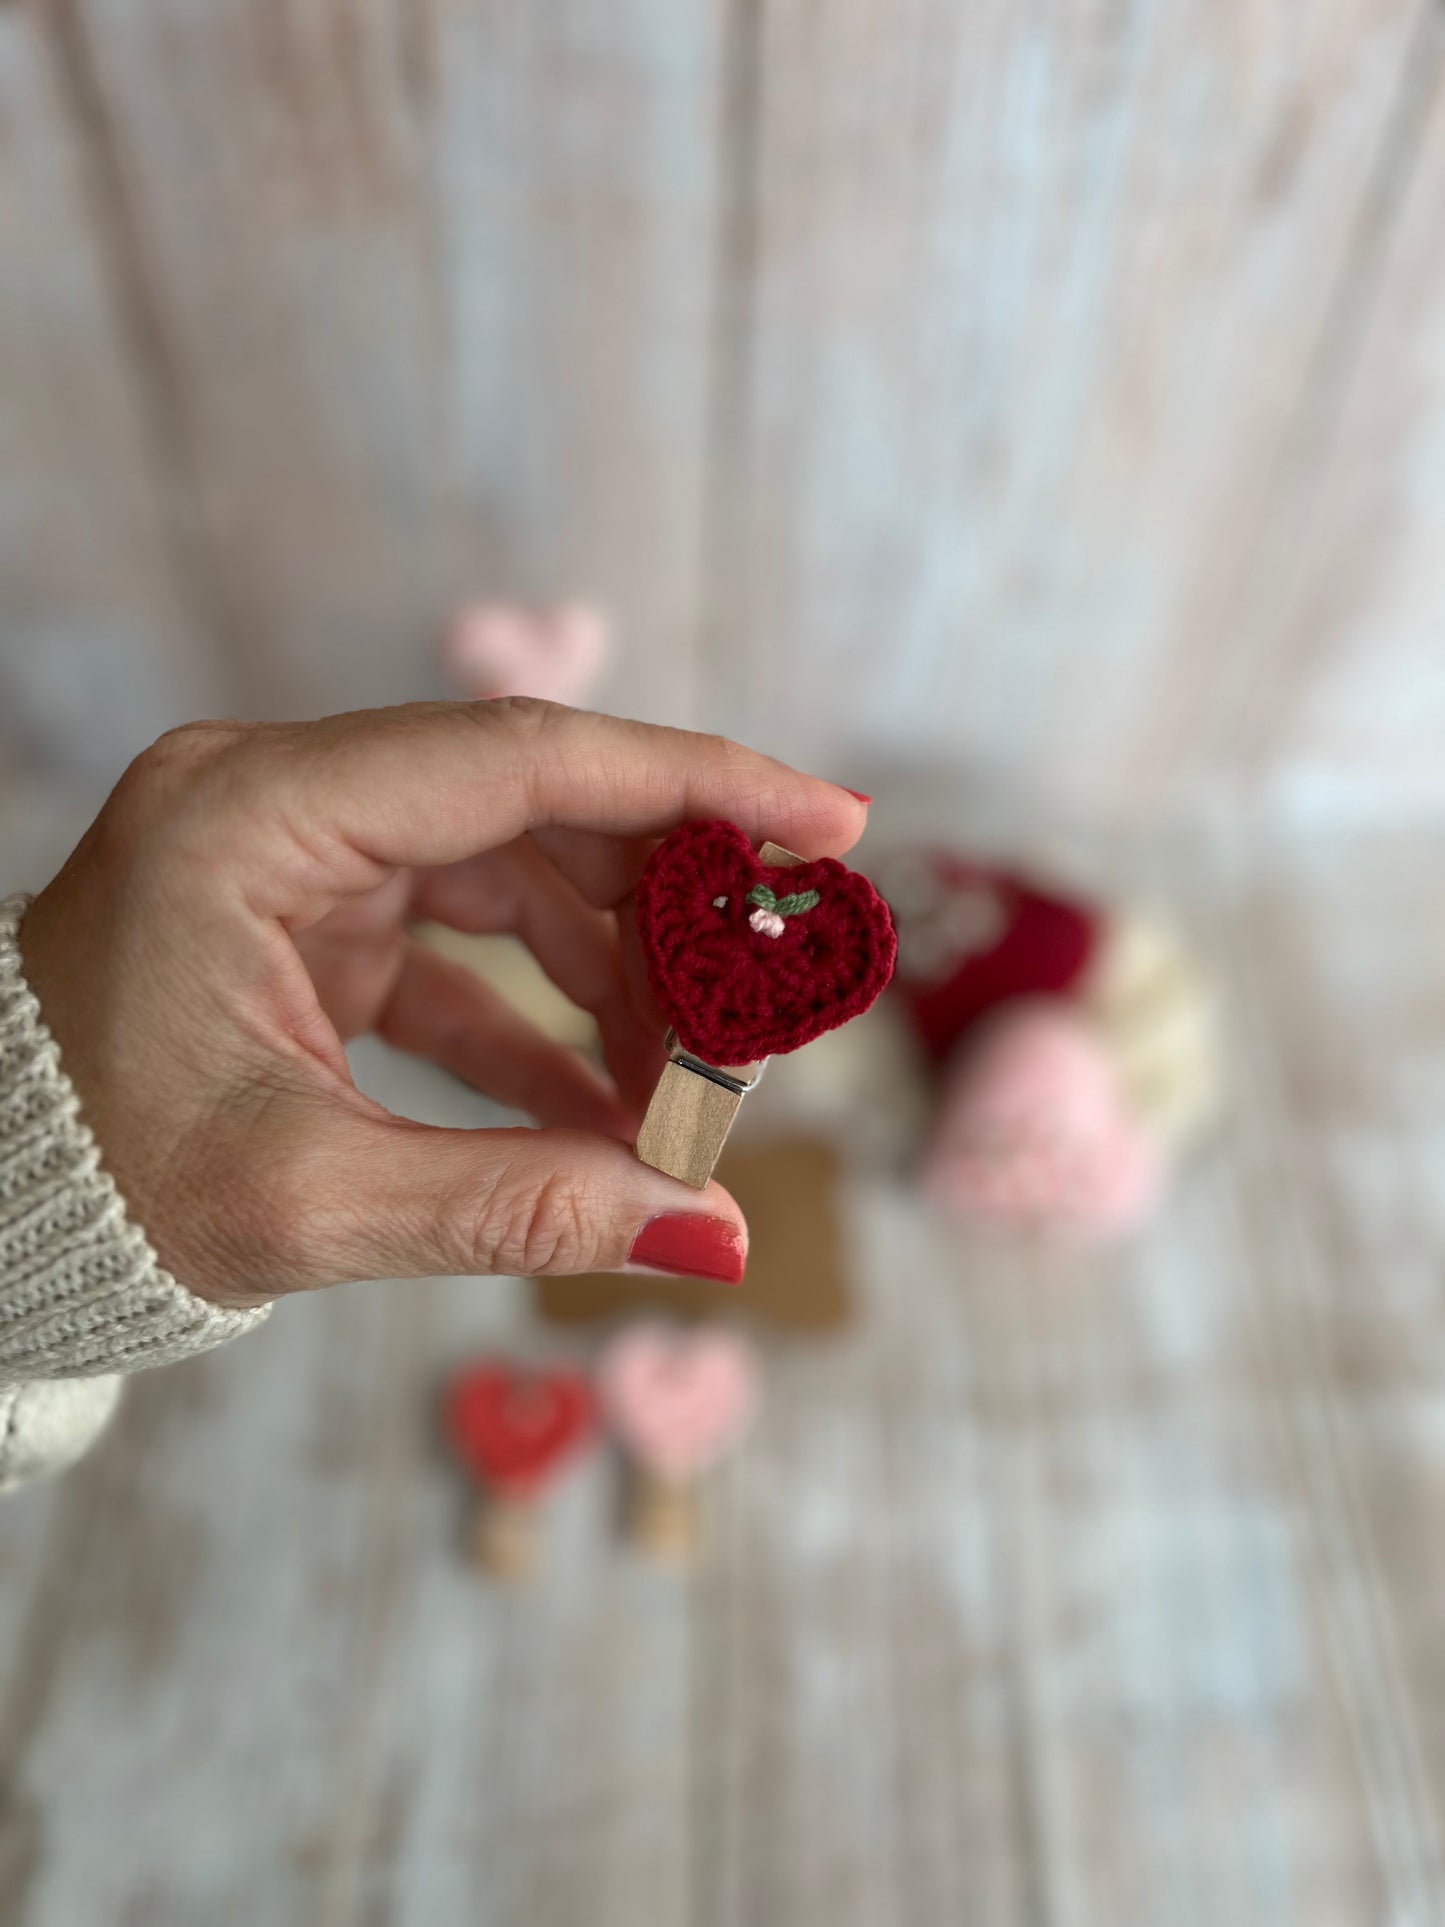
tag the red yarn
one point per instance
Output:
(513, 1428)
(732, 992)
(1043, 945)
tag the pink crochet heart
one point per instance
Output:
(1034, 1130)
(501, 649)
(679, 1401)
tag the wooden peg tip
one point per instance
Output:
(663, 1519)
(504, 1539)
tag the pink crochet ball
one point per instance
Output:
(1034, 1131)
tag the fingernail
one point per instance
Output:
(859, 794)
(691, 1246)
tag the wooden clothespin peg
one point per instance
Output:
(514, 1429)
(679, 1402)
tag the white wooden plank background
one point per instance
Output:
(433, 289)
(1056, 387)
(1036, 293)
(1357, 637)
(100, 646)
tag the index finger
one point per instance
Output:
(431, 783)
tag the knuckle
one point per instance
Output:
(532, 737)
(524, 716)
(179, 753)
(754, 780)
(169, 770)
(543, 1224)
(734, 761)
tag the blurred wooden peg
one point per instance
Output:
(514, 1429)
(679, 1402)
(503, 1537)
(662, 1518)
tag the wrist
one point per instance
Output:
(81, 1288)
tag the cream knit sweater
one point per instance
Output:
(82, 1296)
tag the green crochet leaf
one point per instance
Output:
(792, 906)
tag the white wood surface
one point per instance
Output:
(101, 645)
(1053, 387)
(1034, 301)
(1064, 1589)
(433, 286)
(1357, 656)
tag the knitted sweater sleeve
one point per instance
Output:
(82, 1294)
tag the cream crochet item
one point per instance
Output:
(81, 1291)
(47, 1424)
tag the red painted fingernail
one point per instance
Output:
(691, 1246)
(859, 794)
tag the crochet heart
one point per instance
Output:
(1035, 1131)
(747, 960)
(678, 1401)
(502, 649)
(514, 1429)
(971, 938)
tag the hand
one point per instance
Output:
(240, 906)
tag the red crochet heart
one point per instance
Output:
(512, 1428)
(739, 980)
(972, 938)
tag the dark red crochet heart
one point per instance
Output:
(1029, 941)
(733, 992)
(512, 1428)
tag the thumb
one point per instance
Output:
(410, 1200)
